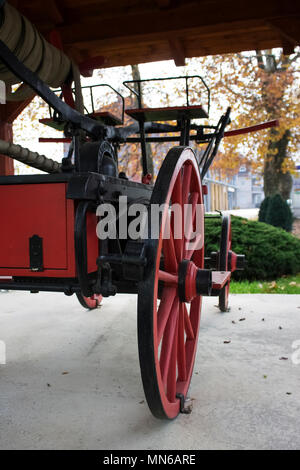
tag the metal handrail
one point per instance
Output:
(185, 77)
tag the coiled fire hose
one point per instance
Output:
(34, 159)
(48, 62)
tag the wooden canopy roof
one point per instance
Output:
(135, 31)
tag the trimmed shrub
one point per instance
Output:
(279, 213)
(270, 252)
(263, 209)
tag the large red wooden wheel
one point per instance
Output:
(89, 302)
(168, 326)
(225, 247)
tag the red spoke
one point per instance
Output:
(187, 324)
(168, 341)
(190, 223)
(169, 251)
(165, 310)
(177, 199)
(167, 277)
(196, 246)
(171, 379)
(181, 358)
(187, 173)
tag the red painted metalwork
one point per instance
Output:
(50, 140)
(90, 302)
(225, 247)
(220, 278)
(55, 39)
(147, 179)
(190, 282)
(257, 127)
(204, 189)
(233, 260)
(43, 210)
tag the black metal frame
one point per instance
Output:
(91, 88)
(185, 122)
(184, 77)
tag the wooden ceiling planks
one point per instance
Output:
(137, 31)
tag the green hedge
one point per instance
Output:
(279, 213)
(270, 251)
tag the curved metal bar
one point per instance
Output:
(30, 78)
(81, 247)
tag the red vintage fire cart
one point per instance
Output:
(48, 238)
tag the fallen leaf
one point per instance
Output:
(265, 376)
(64, 373)
(227, 341)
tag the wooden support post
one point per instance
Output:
(6, 163)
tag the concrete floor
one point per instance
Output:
(72, 377)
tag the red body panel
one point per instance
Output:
(43, 210)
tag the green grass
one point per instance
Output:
(283, 285)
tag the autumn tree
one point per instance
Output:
(261, 86)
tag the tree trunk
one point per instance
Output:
(275, 179)
(137, 76)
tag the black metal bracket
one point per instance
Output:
(104, 285)
(36, 253)
(132, 262)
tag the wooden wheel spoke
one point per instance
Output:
(187, 324)
(168, 278)
(177, 199)
(187, 173)
(169, 338)
(181, 356)
(196, 245)
(165, 310)
(171, 378)
(169, 251)
(190, 221)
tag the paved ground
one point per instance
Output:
(72, 377)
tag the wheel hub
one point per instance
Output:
(192, 281)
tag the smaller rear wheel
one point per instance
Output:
(225, 247)
(89, 302)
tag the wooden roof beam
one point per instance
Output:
(54, 12)
(177, 51)
(289, 31)
(163, 3)
(184, 16)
